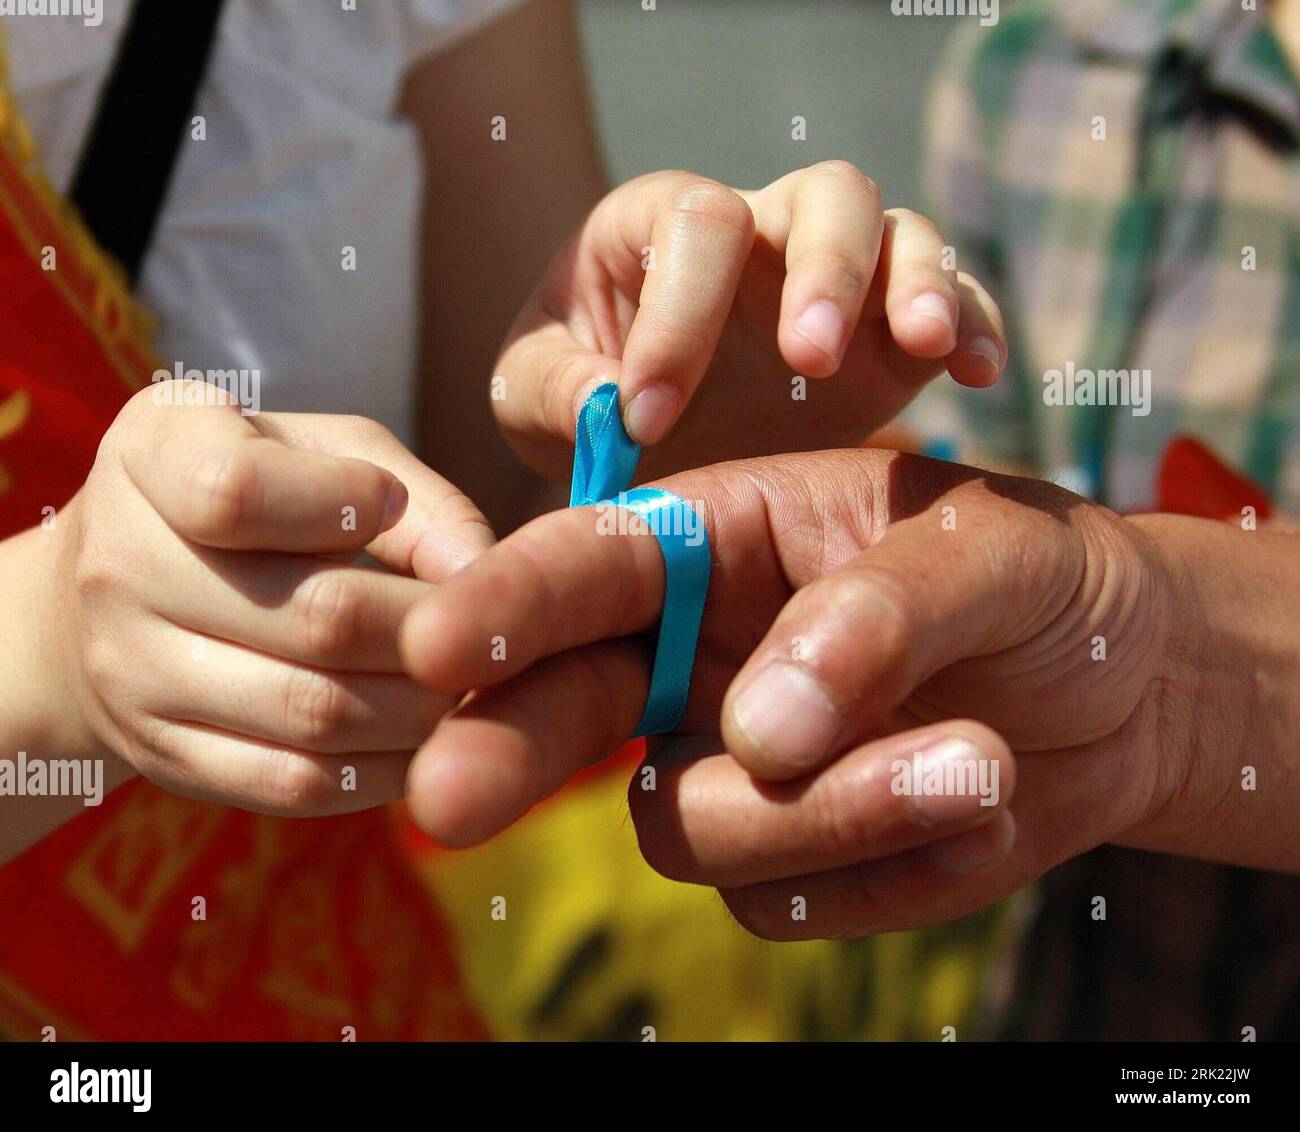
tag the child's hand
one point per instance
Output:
(864, 605)
(215, 637)
(702, 302)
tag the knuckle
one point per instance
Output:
(839, 169)
(600, 700)
(848, 271)
(148, 761)
(892, 625)
(861, 604)
(293, 784)
(911, 217)
(876, 597)
(148, 745)
(923, 235)
(713, 200)
(366, 428)
(100, 664)
(640, 591)
(93, 583)
(315, 708)
(840, 820)
(565, 372)
(459, 513)
(868, 910)
(845, 172)
(221, 492)
(330, 611)
(688, 336)
(94, 587)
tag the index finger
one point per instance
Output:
(701, 237)
(562, 581)
(586, 574)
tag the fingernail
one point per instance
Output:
(987, 349)
(586, 391)
(977, 850)
(933, 305)
(787, 713)
(823, 325)
(948, 782)
(395, 504)
(652, 413)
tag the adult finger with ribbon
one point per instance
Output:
(604, 462)
(547, 630)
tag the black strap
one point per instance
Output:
(143, 115)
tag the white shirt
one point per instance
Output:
(303, 156)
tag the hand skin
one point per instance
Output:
(194, 617)
(806, 276)
(882, 633)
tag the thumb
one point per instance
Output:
(548, 375)
(849, 648)
(440, 531)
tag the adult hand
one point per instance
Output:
(864, 606)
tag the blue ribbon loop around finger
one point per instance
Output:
(604, 462)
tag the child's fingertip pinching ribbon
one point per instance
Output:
(604, 461)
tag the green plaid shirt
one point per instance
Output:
(1125, 176)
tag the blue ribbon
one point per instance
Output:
(604, 461)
